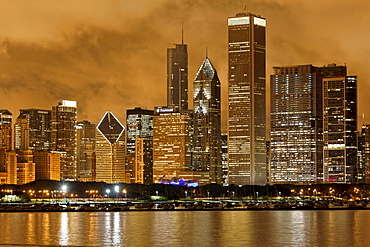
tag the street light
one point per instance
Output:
(125, 192)
(116, 189)
(108, 191)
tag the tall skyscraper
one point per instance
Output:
(110, 150)
(364, 149)
(6, 130)
(86, 132)
(247, 100)
(21, 133)
(171, 143)
(296, 145)
(25, 167)
(64, 134)
(39, 122)
(340, 129)
(177, 76)
(207, 122)
(143, 172)
(139, 123)
(313, 125)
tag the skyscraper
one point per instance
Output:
(247, 100)
(313, 125)
(340, 129)
(143, 172)
(39, 122)
(21, 133)
(6, 130)
(207, 122)
(177, 76)
(86, 132)
(139, 123)
(296, 145)
(110, 150)
(64, 134)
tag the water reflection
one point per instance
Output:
(211, 228)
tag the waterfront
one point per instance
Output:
(187, 228)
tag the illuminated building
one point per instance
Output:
(6, 136)
(85, 150)
(8, 165)
(225, 163)
(177, 76)
(25, 167)
(172, 147)
(364, 154)
(296, 146)
(340, 128)
(247, 100)
(39, 128)
(47, 165)
(21, 133)
(139, 123)
(313, 125)
(207, 122)
(64, 134)
(110, 150)
(143, 172)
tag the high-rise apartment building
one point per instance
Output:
(207, 122)
(6, 130)
(21, 133)
(64, 134)
(340, 129)
(143, 171)
(296, 146)
(86, 132)
(364, 156)
(313, 125)
(225, 162)
(247, 99)
(39, 122)
(110, 150)
(177, 76)
(139, 123)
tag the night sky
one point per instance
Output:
(111, 55)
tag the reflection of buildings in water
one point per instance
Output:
(64, 229)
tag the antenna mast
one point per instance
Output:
(182, 32)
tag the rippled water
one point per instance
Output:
(187, 228)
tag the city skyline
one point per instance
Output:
(90, 54)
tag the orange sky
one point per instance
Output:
(112, 54)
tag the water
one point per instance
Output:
(187, 228)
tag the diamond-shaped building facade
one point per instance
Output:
(110, 150)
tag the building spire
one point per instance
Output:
(182, 32)
(206, 52)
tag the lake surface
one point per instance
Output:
(187, 228)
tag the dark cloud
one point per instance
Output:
(112, 54)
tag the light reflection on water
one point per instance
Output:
(191, 228)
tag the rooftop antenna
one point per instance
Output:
(182, 32)
(363, 119)
(206, 52)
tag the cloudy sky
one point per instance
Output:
(111, 55)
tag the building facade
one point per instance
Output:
(171, 143)
(177, 76)
(296, 146)
(64, 136)
(207, 122)
(86, 132)
(110, 150)
(47, 165)
(139, 123)
(143, 171)
(340, 129)
(247, 99)
(39, 122)
(6, 129)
